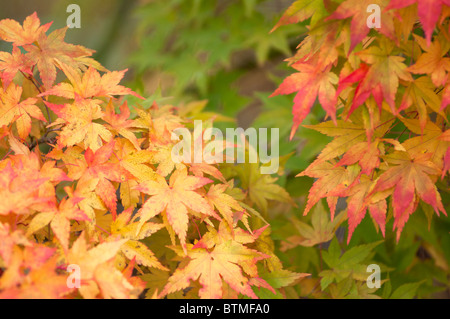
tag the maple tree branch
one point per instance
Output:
(401, 133)
(44, 139)
(394, 118)
(33, 80)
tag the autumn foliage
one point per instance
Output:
(386, 92)
(87, 178)
(70, 147)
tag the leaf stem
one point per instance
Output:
(102, 229)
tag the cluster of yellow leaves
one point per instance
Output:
(386, 90)
(91, 185)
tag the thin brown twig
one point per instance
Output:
(33, 80)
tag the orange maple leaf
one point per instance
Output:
(20, 188)
(12, 31)
(52, 52)
(90, 84)
(224, 262)
(99, 166)
(79, 126)
(432, 61)
(99, 276)
(175, 198)
(59, 220)
(13, 110)
(120, 123)
(13, 63)
(32, 274)
(223, 202)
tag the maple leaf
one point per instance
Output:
(8, 239)
(51, 51)
(433, 141)
(98, 166)
(10, 64)
(33, 179)
(410, 176)
(134, 164)
(357, 9)
(91, 84)
(309, 83)
(379, 79)
(174, 198)
(322, 229)
(59, 220)
(261, 188)
(95, 171)
(12, 31)
(427, 10)
(358, 202)
(225, 233)
(98, 274)
(162, 155)
(433, 61)
(13, 110)
(32, 274)
(133, 249)
(199, 169)
(223, 202)
(330, 178)
(301, 10)
(320, 47)
(345, 133)
(224, 262)
(420, 93)
(91, 204)
(160, 122)
(78, 123)
(352, 263)
(20, 188)
(119, 123)
(366, 154)
(16, 146)
(133, 167)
